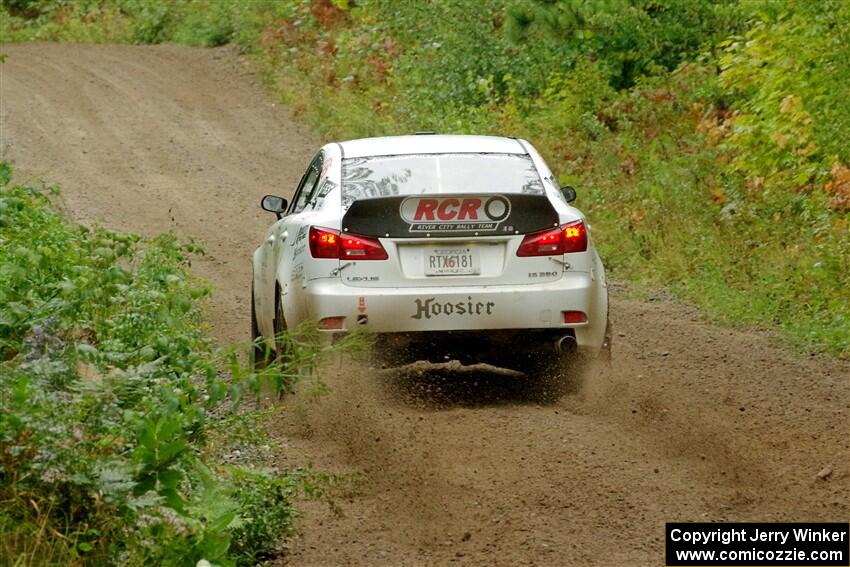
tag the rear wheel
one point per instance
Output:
(259, 356)
(605, 353)
(280, 328)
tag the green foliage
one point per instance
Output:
(786, 74)
(108, 393)
(195, 22)
(265, 513)
(632, 39)
(63, 20)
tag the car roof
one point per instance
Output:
(430, 144)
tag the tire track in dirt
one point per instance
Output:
(692, 421)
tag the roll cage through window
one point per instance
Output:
(307, 185)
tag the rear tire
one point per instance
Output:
(605, 352)
(280, 327)
(259, 357)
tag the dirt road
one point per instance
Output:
(692, 422)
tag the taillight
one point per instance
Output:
(329, 243)
(567, 238)
(354, 247)
(324, 242)
(575, 237)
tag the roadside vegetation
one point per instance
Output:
(707, 140)
(126, 436)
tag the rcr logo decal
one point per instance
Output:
(463, 213)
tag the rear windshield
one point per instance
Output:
(414, 174)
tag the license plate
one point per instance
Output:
(451, 261)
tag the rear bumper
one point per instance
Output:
(424, 309)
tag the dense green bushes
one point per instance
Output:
(630, 39)
(111, 400)
(707, 139)
(194, 22)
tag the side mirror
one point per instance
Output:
(274, 204)
(569, 193)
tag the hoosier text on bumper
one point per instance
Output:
(431, 307)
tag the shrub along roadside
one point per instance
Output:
(109, 393)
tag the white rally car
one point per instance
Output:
(446, 246)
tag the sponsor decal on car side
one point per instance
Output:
(300, 236)
(430, 307)
(324, 190)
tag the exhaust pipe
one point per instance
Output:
(566, 344)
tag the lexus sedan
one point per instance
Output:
(461, 247)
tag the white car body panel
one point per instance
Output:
(395, 295)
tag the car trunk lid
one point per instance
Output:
(450, 239)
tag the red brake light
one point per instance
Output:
(565, 239)
(324, 242)
(575, 237)
(356, 247)
(329, 243)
